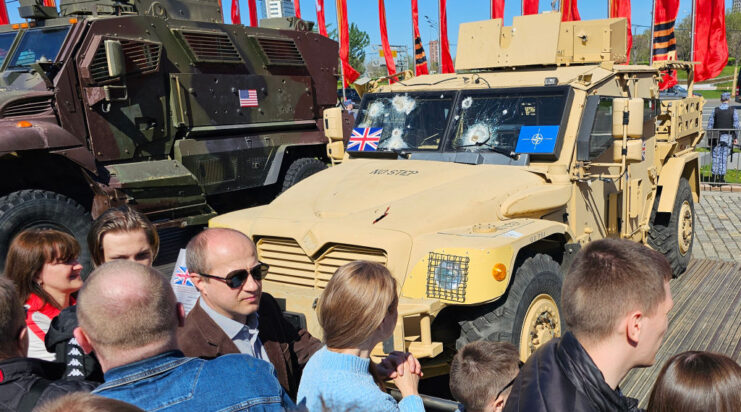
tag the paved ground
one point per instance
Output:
(718, 227)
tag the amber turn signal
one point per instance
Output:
(499, 271)
(23, 123)
(72, 20)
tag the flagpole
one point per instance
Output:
(692, 37)
(651, 40)
(339, 37)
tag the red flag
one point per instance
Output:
(390, 65)
(529, 7)
(446, 65)
(236, 17)
(420, 59)
(297, 8)
(320, 17)
(3, 13)
(350, 74)
(252, 4)
(621, 8)
(711, 47)
(50, 3)
(664, 42)
(497, 9)
(569, 10)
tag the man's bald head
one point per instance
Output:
(214, 242)
(124, 305)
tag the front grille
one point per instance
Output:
(211, 47)
(281, 52)
(27, 107)
(290, 265)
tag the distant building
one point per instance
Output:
(434, 54)
(736, 6)
(276, 8)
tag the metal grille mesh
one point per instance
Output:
(451, 288)
(281, 52)
(212, 47)
(27, 107)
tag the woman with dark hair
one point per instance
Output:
(357, 311)
(697, 382)
(43, 265)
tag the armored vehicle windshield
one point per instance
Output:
(6, 40)
(37, 45)
(508, 121)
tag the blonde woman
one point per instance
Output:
(357, 311)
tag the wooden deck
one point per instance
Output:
(706, 317)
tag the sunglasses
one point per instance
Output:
(507, 386)
(236, 278)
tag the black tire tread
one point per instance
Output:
(301, 169)
(497, 321)
(663, 238)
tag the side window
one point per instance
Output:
(601, 136)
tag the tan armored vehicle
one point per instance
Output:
(477, 188)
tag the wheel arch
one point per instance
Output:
(287, 154)
(675, 169)
(45, 171)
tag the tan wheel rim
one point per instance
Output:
(685, 232)
(542, 323)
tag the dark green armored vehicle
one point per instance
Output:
(156, 104)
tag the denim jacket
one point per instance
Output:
(172, 382)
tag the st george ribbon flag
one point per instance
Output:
(621, 8)
(236, 16)
(497, 9)
(387, 55)
(529, 7)
(569, 11)
(711, 47)
(446, 64)
(664, 42)
(344, 32)
(420, 58)
(320, 18)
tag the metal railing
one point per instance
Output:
(720, 163)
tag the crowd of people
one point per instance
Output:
(120, 341)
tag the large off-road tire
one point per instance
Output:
(527, 316)
(42, 209)
(675, 235)
(300, 169)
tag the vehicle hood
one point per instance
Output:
(412, 196)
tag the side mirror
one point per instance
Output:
(627, 112)
(115, 58)
(333, 130)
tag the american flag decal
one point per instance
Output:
(248, 98)
(364, 139)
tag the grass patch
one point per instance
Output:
(710, 94)
(732, 175)
(707, 149)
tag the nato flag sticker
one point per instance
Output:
(537, 140)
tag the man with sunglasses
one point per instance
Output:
(233, 315)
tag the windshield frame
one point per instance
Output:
(452, 121)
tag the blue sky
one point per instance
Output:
(364, 13)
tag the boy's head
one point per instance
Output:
(482, 373)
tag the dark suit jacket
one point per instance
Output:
(288, 348)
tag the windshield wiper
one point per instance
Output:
(496, 149)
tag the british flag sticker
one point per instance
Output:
(181, 276)
(248, 98)
(364, 139)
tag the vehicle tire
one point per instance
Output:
(529, 313)
(27, 209)
(674, 237)
(300, 169)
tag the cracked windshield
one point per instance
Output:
(486, 122)
(38, 45)
(410, 121)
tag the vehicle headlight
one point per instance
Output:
(447, 276)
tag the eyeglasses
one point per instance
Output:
(507, 386)
(236, 278)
